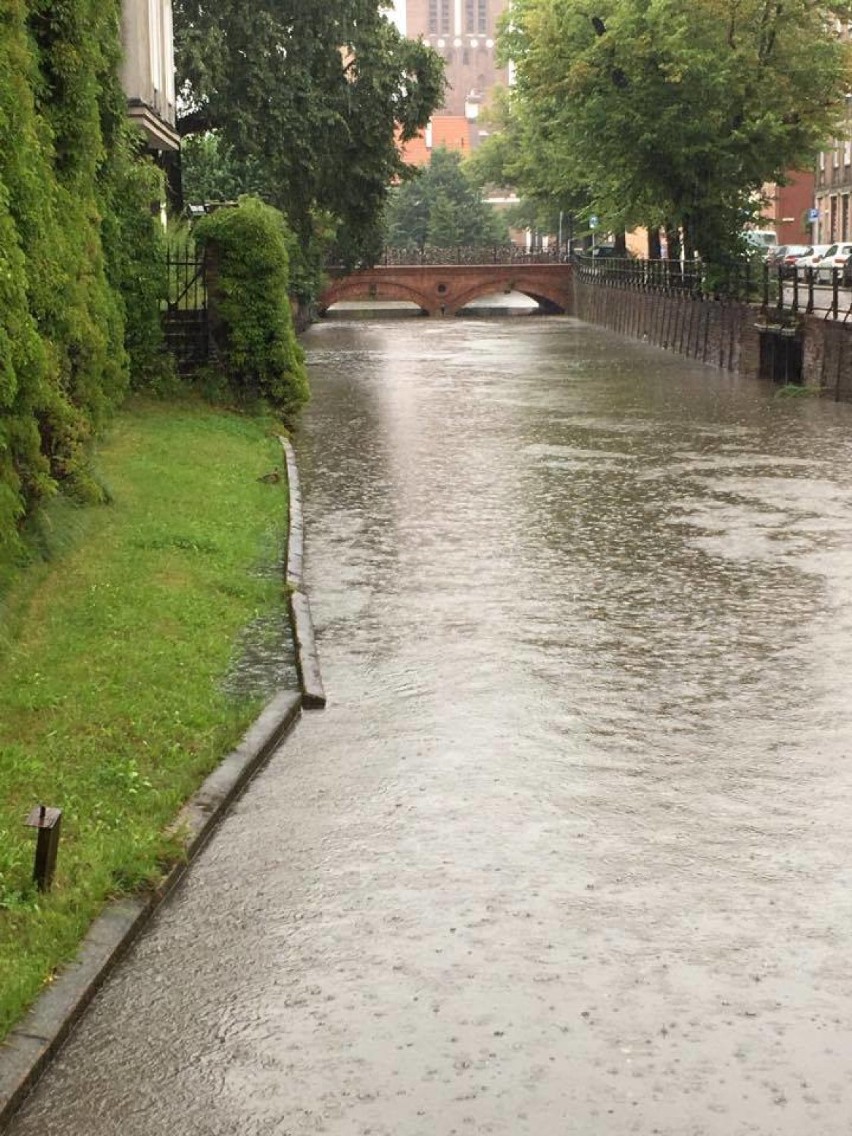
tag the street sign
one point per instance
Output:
(813, 215)
(593, 221)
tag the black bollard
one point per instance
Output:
(48, 822)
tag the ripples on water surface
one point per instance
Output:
(569, 851)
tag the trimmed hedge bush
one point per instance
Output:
(258, 356)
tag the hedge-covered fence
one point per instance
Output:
(257, 355)
(80, 264)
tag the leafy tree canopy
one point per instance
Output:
(519, 155)
(306, 101)
(674, 113)
(441, 207)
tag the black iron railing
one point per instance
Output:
(801, 291)
(185, 309)
(812, 291)
(739, 281)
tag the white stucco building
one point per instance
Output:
(148, 70)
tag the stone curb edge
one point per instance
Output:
(31, 1045)
(307, 660)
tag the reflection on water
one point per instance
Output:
(569, 851)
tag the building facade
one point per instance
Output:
(834, 188)
(464, 32)
(789, 209)
(148, 70)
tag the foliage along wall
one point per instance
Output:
(79, 290)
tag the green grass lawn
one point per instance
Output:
(112, 660)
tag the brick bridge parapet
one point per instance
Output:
(444, 289)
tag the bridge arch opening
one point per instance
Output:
(505, 301)
(549, 304)
(355, 293)
(363, 308)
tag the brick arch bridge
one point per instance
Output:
(444, 289)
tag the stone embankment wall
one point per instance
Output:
(722, 334)
(827, 356)
(727, 335)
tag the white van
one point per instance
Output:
(760, 238)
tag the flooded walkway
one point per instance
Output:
(569, 852)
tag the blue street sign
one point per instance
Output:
(813, 215)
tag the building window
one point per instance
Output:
(155, 38)
(835, 155)
(469, 16)
(433, 17)
(847, 152)
(445, 17)
(482, 16)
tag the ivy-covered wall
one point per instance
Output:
(80, 276)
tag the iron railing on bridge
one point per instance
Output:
(436, 255)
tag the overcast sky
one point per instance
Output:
(397, 14)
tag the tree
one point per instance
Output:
(307, 101)
(441, 207)
(210, 172)
(519, 154)
(676, 113)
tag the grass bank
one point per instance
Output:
(113, 656)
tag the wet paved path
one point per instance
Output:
(569, 852)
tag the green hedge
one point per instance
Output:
(258, 356)
(79, 257)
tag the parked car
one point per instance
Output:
(835, 256)
(788, 262)
(846, 275)
(603, 252)
(775, 256)
(811, 259)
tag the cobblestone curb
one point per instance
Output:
(307, 660)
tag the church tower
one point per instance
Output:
(464, 32)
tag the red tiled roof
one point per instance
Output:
(415, 152)
(452, 131)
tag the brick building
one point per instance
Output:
(464, 32)
(834, 187)
(789, 208)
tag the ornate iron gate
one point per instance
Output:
(185, 315)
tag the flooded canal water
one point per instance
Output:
(569, 851)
